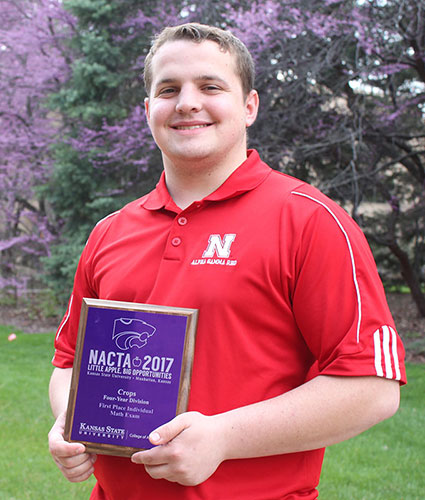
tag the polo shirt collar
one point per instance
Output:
(246, 177)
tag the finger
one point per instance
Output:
(80, 478)
(68, 454)
(77, 463)
(159, 472)
(179, 475)
(74, 461)
(155, 456)
(167, 432)
(57, 444)
(61, 449)
(80, 472)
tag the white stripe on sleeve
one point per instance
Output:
(387, 354)
(68, 314)
(385, 344)
(395, 354)
(378, 358)
(351, 253)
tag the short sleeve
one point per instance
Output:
(66, 335)
(339, 301)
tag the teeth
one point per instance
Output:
(191, 127)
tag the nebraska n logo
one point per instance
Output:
(217, 252)
(219, 247)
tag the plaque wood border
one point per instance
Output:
(185, 372)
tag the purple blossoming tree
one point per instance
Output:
(32, 64)
(342, 85)
(342, 96)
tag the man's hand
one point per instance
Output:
(75, 464)
(189, 449)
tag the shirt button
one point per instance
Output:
(176, 241)
(182, 221)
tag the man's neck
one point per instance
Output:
(187, 184)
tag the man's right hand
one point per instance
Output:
(71, 458)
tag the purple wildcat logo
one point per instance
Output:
(130, 333)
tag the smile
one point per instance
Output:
(190, 127)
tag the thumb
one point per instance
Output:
(167, 432)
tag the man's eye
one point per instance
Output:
(167, 91)
(211, 88)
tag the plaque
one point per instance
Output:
(131, 373)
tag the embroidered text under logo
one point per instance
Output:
(219, 247)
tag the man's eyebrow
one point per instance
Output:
(200, 78)
(210, 78)
(165, 80)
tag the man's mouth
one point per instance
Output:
(190, 127)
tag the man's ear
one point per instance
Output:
(147, 108)
(251, 107)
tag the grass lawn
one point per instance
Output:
(387, 462)
(28, 472)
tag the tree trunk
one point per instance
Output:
(410, 277)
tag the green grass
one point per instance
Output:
(386, 462)
(28, 472)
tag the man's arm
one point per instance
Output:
(60, 383)
(76, 465)
(321, 412)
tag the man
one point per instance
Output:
(296, 348)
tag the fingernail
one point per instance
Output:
(154, 436)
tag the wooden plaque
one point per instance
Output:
(131, 374)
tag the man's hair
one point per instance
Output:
(198, 33)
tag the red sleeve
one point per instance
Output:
(66, 335)
(339, 301)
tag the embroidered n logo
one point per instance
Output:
(218, 246)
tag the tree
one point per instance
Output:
(107, 157)
(32, 64)
(344, 81)
(341, 86)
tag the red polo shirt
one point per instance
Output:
(286, 286)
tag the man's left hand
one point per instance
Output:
(188, 449)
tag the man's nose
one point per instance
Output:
(189, 100)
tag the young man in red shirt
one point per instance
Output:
(296, 348)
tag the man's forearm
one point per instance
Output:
(60, 382)
(322, 412)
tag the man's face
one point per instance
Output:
(196, 110)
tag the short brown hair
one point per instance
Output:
(198, 33)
